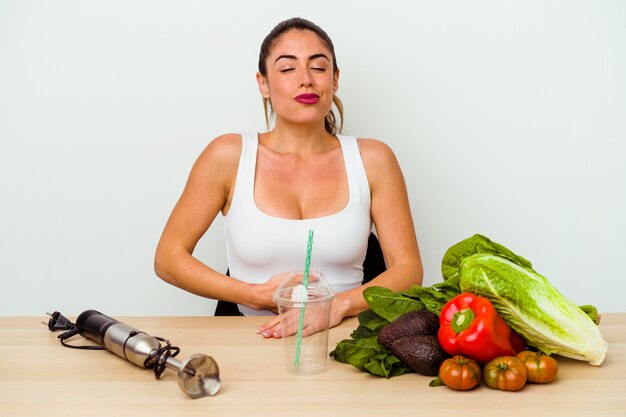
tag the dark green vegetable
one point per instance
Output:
(435, 297)
(388, 304)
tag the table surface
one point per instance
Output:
(40, 377)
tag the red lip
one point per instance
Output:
(308, 98)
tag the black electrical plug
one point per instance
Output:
(58, 321)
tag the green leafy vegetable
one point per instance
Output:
(370, 324)
(388, 304)
(534, 308)
(435, 297)
(365, 353)
(454, 256)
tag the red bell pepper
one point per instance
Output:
(469, 325)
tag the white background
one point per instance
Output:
(508, 119)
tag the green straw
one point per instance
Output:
(305, 282)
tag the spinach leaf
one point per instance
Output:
(372, 320)
(450, 287)
(370, 324)
(433, 299)
(387, 365)
(389, 304)
(368, 355)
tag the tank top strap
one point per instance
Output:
(357, 177)
(244, 188)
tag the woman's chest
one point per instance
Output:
(295, 188)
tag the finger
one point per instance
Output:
(312, 327)
(309, 326)
(267, 329)
(275, 329)
(277, 333)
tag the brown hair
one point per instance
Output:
(297, 23)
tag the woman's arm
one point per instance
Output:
(207, 192)
(394, 226)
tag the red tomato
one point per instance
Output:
(506, 373)
(460, 373)
(541, 368)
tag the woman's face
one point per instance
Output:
(300, 81)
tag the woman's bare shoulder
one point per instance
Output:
(382, 168)
(224, 149)
(224, 145)
(375, 152)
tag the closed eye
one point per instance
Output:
(287, 70)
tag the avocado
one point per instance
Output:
(413, 323)
(421, 353)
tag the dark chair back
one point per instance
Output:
(373, 265)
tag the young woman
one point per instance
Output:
(301, 175)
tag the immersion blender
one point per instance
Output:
(198, 375)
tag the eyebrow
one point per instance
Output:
(312, 57)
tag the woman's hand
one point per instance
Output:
(314, 321)
(263, 294)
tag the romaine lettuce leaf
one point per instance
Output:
(454, 256)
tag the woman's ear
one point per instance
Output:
(263, 88)
(336, 81)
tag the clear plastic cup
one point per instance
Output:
(306, 354)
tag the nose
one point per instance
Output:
(305, 78)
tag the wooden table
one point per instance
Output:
(39, 377)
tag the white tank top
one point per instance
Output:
(260, 246)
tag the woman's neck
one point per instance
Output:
(298, 139)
